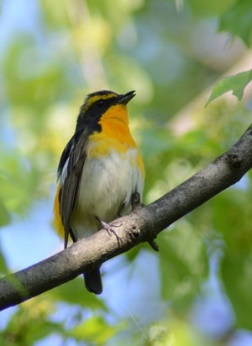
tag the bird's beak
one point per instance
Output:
(124, 99)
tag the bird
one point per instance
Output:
(100, 172)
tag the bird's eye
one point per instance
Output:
(100, 103)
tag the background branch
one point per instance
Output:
(141, 225)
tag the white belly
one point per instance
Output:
(105, 190)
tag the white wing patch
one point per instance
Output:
(64, 172)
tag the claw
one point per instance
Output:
(109, 229)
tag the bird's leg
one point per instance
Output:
(135, 200)
(108, 228)
(136, 203)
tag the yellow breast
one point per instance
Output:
(115, 134)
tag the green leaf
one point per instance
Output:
(238, 20)
(3, 265)
(4, 215)
(236, 83)
(14, 187)
(209, 8)
(237, 277)
(41, 329)
(232, 219)
(81, 296)
(95, 330)
(183, 264)
(29, 323)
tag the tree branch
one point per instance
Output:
(143, 224)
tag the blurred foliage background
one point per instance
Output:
(197, 289)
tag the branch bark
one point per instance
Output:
(143, 224)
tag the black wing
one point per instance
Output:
(75, 152)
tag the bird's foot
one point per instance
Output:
(110, 229)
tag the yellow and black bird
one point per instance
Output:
(99, 171)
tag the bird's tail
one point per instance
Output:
(93, 281)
